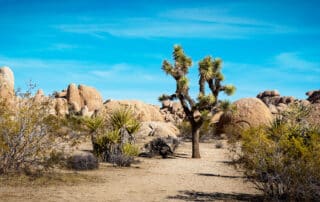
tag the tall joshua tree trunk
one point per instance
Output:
(195, 140)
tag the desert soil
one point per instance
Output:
(210, 178)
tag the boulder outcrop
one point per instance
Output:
(250, 112)
(155, 129)
(313, 96)
(6, 83)
(90, 97)
(275, 102)
(81, 99)
(144, 112)
(172, 111)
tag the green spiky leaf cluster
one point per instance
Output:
(206, 100)
(229, 89)
(182, 61)
(226, 105)
(183, 83)
(181, 65)
(167, 68)
(124, 118)
(210, 68)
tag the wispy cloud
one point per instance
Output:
(112, 70)
(63, 46)
(202, 22)
(148, 27)
(211, 14)
(37, 63)
(293, 61)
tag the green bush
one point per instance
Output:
(283, 160)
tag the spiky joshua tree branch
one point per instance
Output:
(210, 74)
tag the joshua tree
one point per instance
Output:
(209, 73)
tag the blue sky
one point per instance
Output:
(118, 46)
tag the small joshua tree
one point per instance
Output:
(209, 73)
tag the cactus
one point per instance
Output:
(210, 74)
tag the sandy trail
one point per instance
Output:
(180, 179)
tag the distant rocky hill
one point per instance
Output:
(86, 101)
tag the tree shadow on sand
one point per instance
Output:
(203, 196)
(218, 175)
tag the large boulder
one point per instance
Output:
(90, 97)
(250, 112)
(152, 129)
(145, 112)
(61, 106)
(6, 83)
(73, 97)
(82, 96)
(39, 96)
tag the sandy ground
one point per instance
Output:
(210, 178)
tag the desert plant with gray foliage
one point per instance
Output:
(30, 138)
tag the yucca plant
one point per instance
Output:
(123, 118)
(114, 136)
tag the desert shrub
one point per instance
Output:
(82, 162)
(219, 145)
(113, 136)
(283, 160)
(120, 159)
(30, 137)
(159, 146)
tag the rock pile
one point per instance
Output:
(82, 100)
(274, 101)
(172, 111)
(145, 112)
(313, 96)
